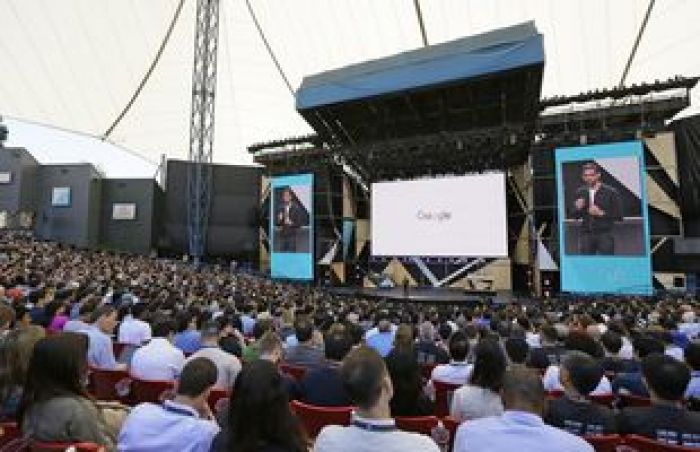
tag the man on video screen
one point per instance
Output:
(599, 206)
(289, 217)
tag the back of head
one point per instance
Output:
(269, 343)
(426, 331)
(7, 316)
(337, 345)
(459, 346)
(403, 339)
(582, 342)
(612, 342)
(692, 355)
(489, 365)
(163, 328)
(362, 373)
(665, 376)
(583, 371)
(523, 391)
(101, 311)
(549, 334)
(261, 327)
(517, 349)
(210, 330)
(197, 377)
(303, 328)
(645, 344)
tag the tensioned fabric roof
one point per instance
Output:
(75, 64)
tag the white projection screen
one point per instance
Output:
(450, 216)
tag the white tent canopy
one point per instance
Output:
(74, 64)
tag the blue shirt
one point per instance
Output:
(171, 426)
(693, 389)
(381, 342)
(516, 431)
(247, 323)
(100, 351)
(189, 341)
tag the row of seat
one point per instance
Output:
(10, 440)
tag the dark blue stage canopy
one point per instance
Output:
(467, 58)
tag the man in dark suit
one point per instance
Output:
(289, 217)
(323, 386)
(599, 206)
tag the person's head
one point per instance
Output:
(383, 322)
(23, 317)
(548, 335)
(645, 345)
(261, 327)
(304, 329)
(583, 342)
(104, 318)
(336, 346)
(516, 349)
(7, 316)
(196, 380)
(403, 339)
(489, 365)
(270, 347)
(210, 333)
(366, 380)
(590, 173)
(426, 332)
(612, 342)
(287, 195)
(54, 308)
(523, 391)
(259, 413)
(15, 352)
(58, 367)
(665, 377)
(86, 309)
(692, 355)
(579, 373)
(164, 328)
(459, 347)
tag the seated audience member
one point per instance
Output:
(56, 313)
(582, 342)
(187, 337)
(367, 380)
(630, 382)
(7, 318)
(84, 313)
(323, 386)
(15, 353)
(101, 352)
(520, 427)
(55, 405)
(692, 358)
(457, 371)
(227, 365)
(670, 348)
(612, 344)
(304, 353)
(270, 349)
(405, 373)
(665, 420)
(689, 325)
(159, 359)
(516, 351)
(427, 352)
(133, 330)
(251, 351)
(185, 423)
(259, 417)
(383, 339)
(480, 398)
(23, 318)
(580, 374)
(231, 340)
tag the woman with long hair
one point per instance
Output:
(259, 418)
(15, 351)
(480, 398)
(409, 398)
(55, 405)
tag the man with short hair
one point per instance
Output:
(521, 426)
(84, 312)
(228, 366)
(612, 344)
(457, 371)
(666, 419)
(183, 424)
(516, 351)
(383, 340)
(159, 359)
(323, 386)
(100, 349)
(574, 412)
(367, 380)
(427, 352)
(630, 382)
(304, 353)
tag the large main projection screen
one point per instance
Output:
(450, 216)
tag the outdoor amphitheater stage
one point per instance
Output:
(429, 295)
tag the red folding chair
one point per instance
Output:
(37, 446)
(554, 394)
(314, 418)
(629, 400)
(9, 431)
(604, 443)
(104, 383)
(296, 372)
(151, 391)
(642, 444)
(117, 348)
(451, 424)
(417, 424)
(217, 397)
(443, 397)
(606, 400)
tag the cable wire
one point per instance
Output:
(149, 72)
(421, 24)
(636, 42)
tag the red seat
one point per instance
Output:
(314, 418)
(417, 424)
(151, 391)
(605, 400)
(117, 348)
(642, 444)
(604, 443)
(451, 425)
(426, 370)
(216, 397)
(9, 431)
(104, 382)
(443, 397)
(554, 394)
(296, 372)
(629, 400)
(62, 447)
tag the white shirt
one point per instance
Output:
(227, 365)
(591, 196)
(532, 339)
(474, 402)
(334, 438)
(171, 426)
(551, 382)
(674, 351)
(159, 360)
(457, 373)
(134, 331)
(627, 350)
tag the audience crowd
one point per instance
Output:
(526, 375)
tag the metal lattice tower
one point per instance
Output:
(199, 180)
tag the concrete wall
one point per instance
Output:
(20, 194)
(79, 223)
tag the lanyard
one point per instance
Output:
(178, 410)
(373, 427)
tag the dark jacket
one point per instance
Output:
(324, 387)
(606, 198)
(580, 417)
(663, 423)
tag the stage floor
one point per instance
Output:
(440, 295)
